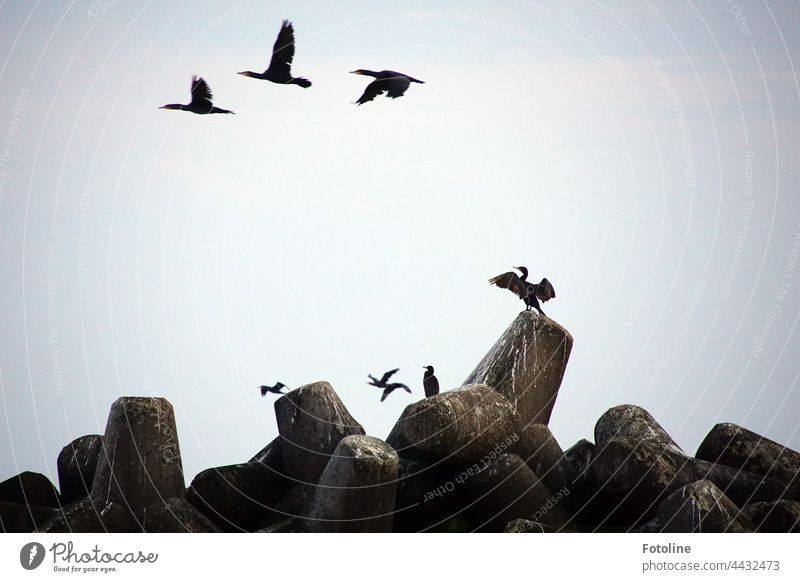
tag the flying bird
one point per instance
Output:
(273, 389)
(430, 383)
(390, 82)
(201, 99)
(384, 379)
(529, 292)
(384, 383)
(279, 70)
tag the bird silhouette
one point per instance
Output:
(392, 83)
(384, 383)
(430, 383)
(273, 389)
(529, 292)
(280, 66)
(201, 100)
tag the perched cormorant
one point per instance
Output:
(392, 83)
(201, 99)
(388, 388)
(430, 383)
(279, 70)
(525, 290)
(273, 389)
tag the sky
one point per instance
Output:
(641, 155)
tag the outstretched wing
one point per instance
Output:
(386, 393)
(396, 86)
(511, 281)
(201, 93)
(388, 375)
(545, 291)
(283, 50)
(374, 89)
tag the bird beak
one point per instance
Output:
(356, 72)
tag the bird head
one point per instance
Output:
(523, 270)
(428, 368)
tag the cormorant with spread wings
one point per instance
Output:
(280, 66)
(201, 100)
(390, 82)
(276, 389)
(530, 293)
(384, 383)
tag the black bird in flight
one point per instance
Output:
(529, 292)
(273, 389)
(430, 383)
(279, 70)
(384, 383)
(390, 82)
(201, 99)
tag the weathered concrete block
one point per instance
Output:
(641, 474)
(237, 497)
(19, 518)
(312, 420)
(539, 449)
(734, 446)
(506, 489)
(463, 424)
(635, 423)
(631, 478)
(296, 505)
(271, 456)
(774, 517)
(580, 457)
(422, 502)
(635, 455)
(741, 487)
(701, 507)
(29, 488)
(84, 516)
(176, 515)
(77, 463)
(623, 464)
(140, 462)
(357, 489)
(594, 508)
(526, 365)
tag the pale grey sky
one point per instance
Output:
(641, 155)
